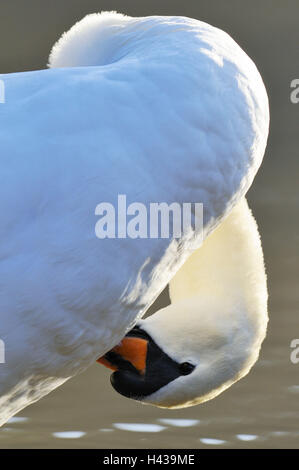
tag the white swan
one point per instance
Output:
(160, 109)
(210, 335)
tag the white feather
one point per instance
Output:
(158, 108)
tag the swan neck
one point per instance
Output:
(229, 267)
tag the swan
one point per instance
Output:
(210, 335)
(159, 109)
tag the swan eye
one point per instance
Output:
(186, 368)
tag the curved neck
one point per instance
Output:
(229, 267)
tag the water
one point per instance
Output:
(260, 411)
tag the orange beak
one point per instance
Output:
(133, 350)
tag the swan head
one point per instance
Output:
(185, 354)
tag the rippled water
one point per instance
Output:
(259, 411)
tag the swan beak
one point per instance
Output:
(130, 350)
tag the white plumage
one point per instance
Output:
(157, 108)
